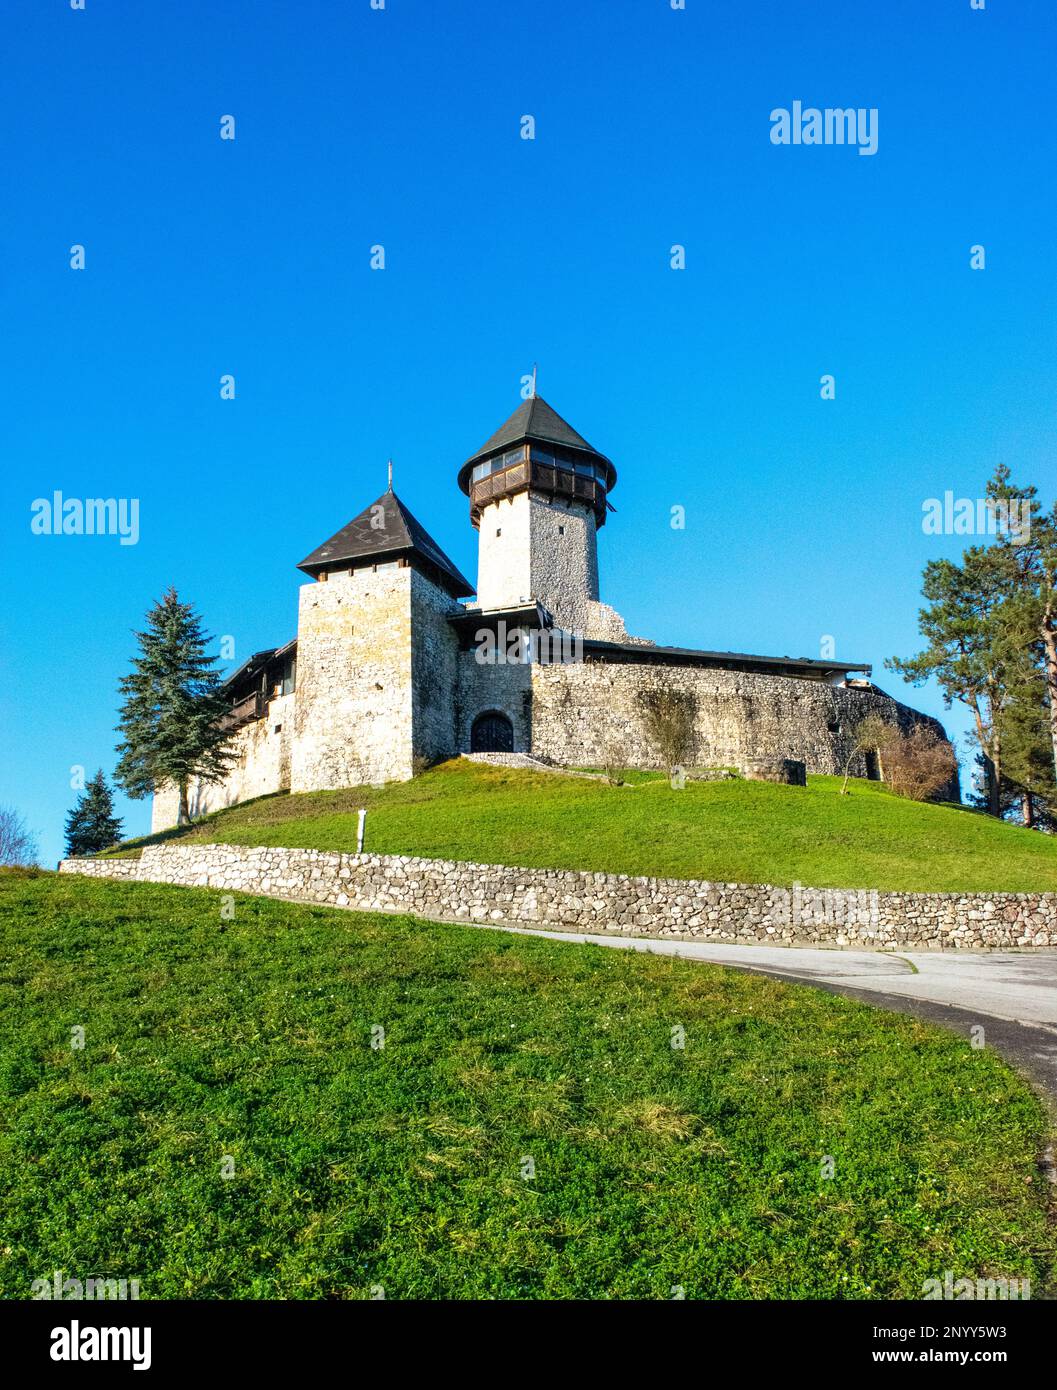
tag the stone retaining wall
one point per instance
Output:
(600, 903)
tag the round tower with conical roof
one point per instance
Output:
(538, 494)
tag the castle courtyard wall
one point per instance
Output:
(434, 672)
(589, 713)
(502, 688)
(372, 705)
(261, 766)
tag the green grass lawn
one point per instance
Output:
(654, 1167)
(736, 831)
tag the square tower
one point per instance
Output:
(376, 655)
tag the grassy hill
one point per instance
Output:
(736, 831)
(527, 1131)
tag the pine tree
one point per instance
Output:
(92, 826)
(1030, 554)
(1027, 751)
(991, 629)
(171, 716)
(966, 652)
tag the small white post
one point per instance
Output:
(359, 829)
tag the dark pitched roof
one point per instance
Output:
(533, 419)
(252, 666)
(258, 662)
(775, 665)
(384, 535)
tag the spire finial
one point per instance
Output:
(534, 368)
(390, 475)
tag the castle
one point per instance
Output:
(390, 671)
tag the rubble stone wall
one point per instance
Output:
(574, 901)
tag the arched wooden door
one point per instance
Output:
(492, 733)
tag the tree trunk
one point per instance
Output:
(990, 748)
(995, 793)
(183, 815)
(1027, 810)
(994, 800)
(1049, 650)
(847, 773)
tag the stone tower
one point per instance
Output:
(537, 494)
(376, 654)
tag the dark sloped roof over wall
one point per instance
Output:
(802, 666)
(384, 531)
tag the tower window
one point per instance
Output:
(561, 530)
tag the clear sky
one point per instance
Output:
(402, 127)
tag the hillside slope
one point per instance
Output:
(527, 1130)
(736, 831)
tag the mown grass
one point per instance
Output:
(408, 1167)
(734, 831)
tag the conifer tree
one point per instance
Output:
(1030, 554)
(991, 629)
(966, 652)
(171, 716)
(92, 826)
(1027, 751)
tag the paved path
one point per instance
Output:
(1014, 996)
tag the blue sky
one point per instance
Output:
(402, 127)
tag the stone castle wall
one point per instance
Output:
(262, 766)
(505, 688)
(434, 671)
(369, 700)
(585, 712)
(610, 904)
(383, 689)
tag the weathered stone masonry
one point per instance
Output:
(581, 711)
(611, 904)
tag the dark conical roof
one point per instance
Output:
(534, 419)
(386, 534)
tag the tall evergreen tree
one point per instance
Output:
(171, 716)
(991, 629)
(965, 653)
(1027, 753)
(92, 826)
(1030, 553)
